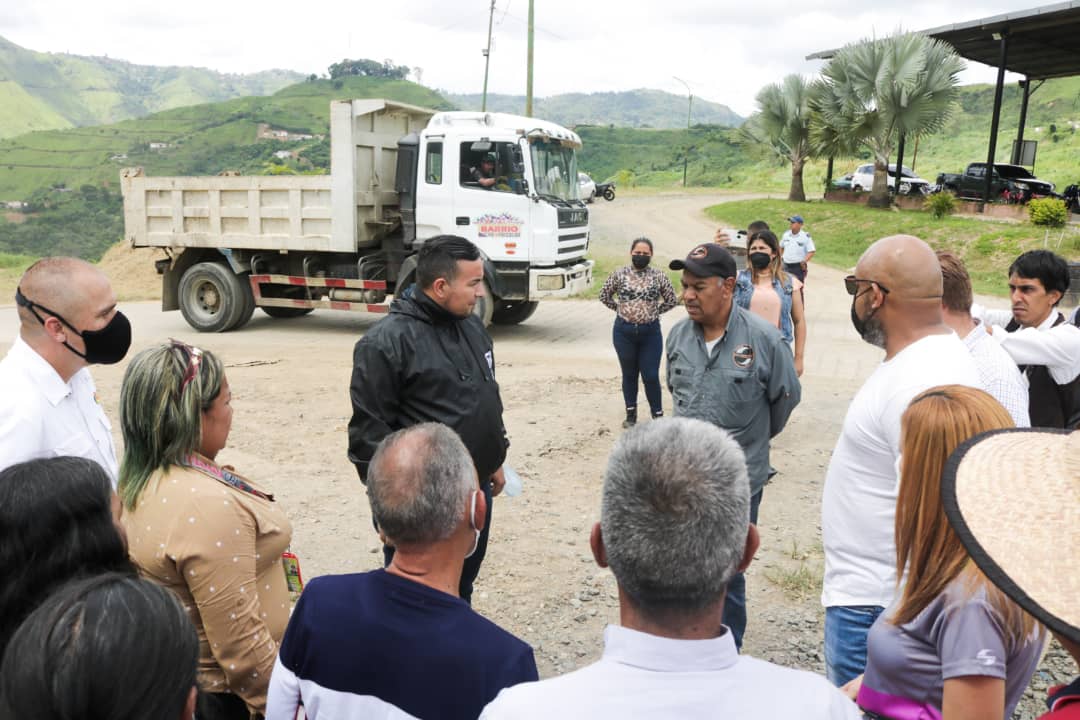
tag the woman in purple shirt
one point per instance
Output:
(952, 646)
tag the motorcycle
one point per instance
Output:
(607, 190)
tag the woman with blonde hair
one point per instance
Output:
(952, 646)
(766, 290)
(213, 537)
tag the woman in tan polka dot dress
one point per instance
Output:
(208, 534)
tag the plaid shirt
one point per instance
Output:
(999, 375)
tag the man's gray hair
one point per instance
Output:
(418, 482)
(675, 513)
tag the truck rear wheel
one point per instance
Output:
(513, 313)
(211, 297)
(286, 312)
(249, 302)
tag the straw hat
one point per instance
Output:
(1013, 497)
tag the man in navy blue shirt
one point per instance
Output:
(400, 642)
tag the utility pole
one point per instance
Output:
(529, 76)
(689, 107)
(487, 57)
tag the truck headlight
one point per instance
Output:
(550, 282)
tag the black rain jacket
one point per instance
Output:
(423, 364)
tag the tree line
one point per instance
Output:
(871, 96)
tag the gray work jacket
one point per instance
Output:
(747, 385)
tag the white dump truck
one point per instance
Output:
(399, 175)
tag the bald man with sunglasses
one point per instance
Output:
(895, 305)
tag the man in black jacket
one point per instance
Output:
(431, 360)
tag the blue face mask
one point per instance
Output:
(106, 346)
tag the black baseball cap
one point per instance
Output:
(707, 260)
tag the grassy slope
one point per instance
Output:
(59, 90)
(843, 231)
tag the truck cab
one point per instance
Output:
(530, 223)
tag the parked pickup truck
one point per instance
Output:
(1011, 183)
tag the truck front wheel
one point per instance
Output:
(211, 297)
(513, 313)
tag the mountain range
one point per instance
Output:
(640, 108)
(51, 91)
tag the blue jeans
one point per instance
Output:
(734, 615)
(846, 627)
(472, 563)
(639, 348)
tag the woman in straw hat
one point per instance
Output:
(952, 646)
(1013, 498)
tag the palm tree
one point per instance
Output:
(876, 90)
(782, 123)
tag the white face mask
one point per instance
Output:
(472, 522)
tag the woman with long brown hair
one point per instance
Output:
(952, 646)
(766, 290)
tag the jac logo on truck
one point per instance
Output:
(503, 225)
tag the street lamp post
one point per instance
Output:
(689, 108)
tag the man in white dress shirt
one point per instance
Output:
(674, 528)
(1039, 339)
(48, 402)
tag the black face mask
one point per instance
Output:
(640, 261)
(760, 260)
(106, 346)
(868, 328)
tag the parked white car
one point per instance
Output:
(910, 183)
(586, 187)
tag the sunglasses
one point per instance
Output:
(194, 359)
(851, 284)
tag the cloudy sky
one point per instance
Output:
(726, 51)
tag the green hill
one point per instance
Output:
(44, 91)
(632, 108)
(70, 178)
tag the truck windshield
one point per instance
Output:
(1013, 171)
(554, 169)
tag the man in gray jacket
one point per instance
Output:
(729, 367)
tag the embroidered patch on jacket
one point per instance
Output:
(743, 356)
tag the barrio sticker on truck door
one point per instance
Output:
(503, 225)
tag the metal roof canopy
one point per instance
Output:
(1040, 43)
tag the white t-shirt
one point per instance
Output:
(645, 676)
(858, 507)
(42, 416)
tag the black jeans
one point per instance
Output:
(639, 348)
(472, 563)
(734, 615)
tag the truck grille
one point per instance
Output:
(573, 243)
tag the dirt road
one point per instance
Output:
(560, 386)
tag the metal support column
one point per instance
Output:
(1018, 150)
(1004, 39)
